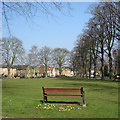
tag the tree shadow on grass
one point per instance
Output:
(89, 85)
(84, 79)
(61, 102)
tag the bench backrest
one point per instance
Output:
(66, 91)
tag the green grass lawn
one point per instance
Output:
(21, 96)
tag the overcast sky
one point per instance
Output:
(59, 31)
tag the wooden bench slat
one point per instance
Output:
(63, 91)
(65, 95)
(60, 92)
(62, 88)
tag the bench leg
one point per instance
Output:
(43, 98)
(83, 100)
(46, 98)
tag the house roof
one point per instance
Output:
(51, 69)
(24, 67)
(3, 66)
(42, 69)
(18, 67)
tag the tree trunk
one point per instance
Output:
(45, 70)
(102, 60)
(110, 65)
(118, 56)
(90, 64)
(95, 68)
(8, 72)
(60, 70)
(86, 68)
(83, 73)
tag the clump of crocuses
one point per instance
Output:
(55, 107)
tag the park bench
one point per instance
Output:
(63, 92)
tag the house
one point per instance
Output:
(32, 71)
(4, 71)
(20, 70)
(16, 70)
(65, 71)
(50, 71)
(56, 71)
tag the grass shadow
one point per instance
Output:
(61, 102)
(93, 87)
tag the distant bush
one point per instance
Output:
(43, 76)
(5, 76)
(57, 76)
(32, 77)
(0, 76)
(38, 77)
(63, 76)
(22, 76)
(16, 75)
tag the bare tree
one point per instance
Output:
(94, 41)
(118, 35)
(60, 58)
(74, 60)
(110, 23)
(98, 40)
(97, 11)
(33, 56)
(89, 45)
(12, 49)
(44, 56)
(84, 53)
(29, 10)
(109, 15)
